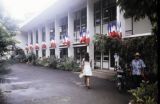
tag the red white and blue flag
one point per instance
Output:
(114, 29)
(82, 37)
(66, 40)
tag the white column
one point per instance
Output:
(70, 33)
(57, 39)
(90, 29)
(121, 19)
(47, 29)
(40, 41)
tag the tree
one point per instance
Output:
(8, 29)
(138, 9)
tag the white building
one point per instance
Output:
(71, 17)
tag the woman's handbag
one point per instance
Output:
(81, 75)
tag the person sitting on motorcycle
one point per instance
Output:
(137, 70)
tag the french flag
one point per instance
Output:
(82, 37)
(112, 29)
(87, 40)
(66, 40)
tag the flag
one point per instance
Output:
(82, 37)
(66, 40)
(112, 28)
(119, 29)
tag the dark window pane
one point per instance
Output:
(52, 52)
(36, 36)
(113, 13)
(97, 13)
(31, 38)
(43, 53)
(36, 53)
(43, 34)
(63, 52)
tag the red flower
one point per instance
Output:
(87, 41)
(31, 47)
(68, 43)
(53, 44)
(37, 47)
(44, 46)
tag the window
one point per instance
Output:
(77, 25)
(31, 38)
(77, 21)
(97, 13)
(64, 31)
(104, 10)
(43, 53)
(109, 10)
(52, 52)
(43, 34)
(36, 53)
(80, 22)
(83, 19)
(52, 31)
(64, 27)
(36, 36)
(63, 52)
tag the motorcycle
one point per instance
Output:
(122, 79)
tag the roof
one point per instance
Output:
(59, 8)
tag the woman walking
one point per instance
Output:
(87, 70)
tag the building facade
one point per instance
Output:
(60, 29)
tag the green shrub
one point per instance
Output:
(53, 61)
(42, 62)
(145, 94)
(31, 58)
(18, 56)
(68, 64)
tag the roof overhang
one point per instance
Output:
(58, 9)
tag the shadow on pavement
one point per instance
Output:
(2, 98)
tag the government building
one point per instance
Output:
(60, 30)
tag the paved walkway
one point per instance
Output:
(28, 84)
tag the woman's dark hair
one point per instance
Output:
(86, 57)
